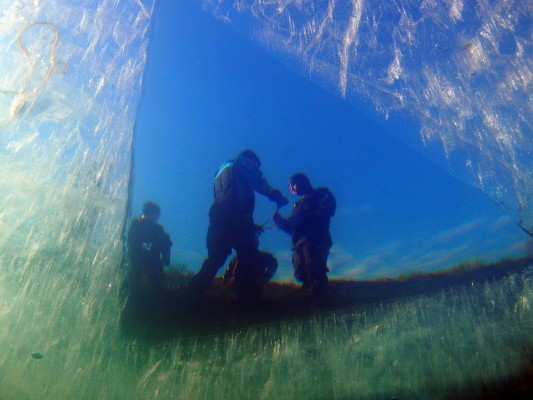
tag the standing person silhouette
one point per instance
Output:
(231, 223)
(148, 248)
(308, 226)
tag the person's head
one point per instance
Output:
(299, 184)
(250, 155)
(151, 210)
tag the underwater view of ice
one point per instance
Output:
(70, 83)
(461, 69)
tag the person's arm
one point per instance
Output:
(282, 223)
(254, 176)
(301, 212)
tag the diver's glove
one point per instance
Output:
(276, 196)
(277, 218)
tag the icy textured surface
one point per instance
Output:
(70, 77)
(429, 347)
(462, 70)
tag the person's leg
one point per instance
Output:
(218, 249)
(318, 269)
(156, 276)
(299, 262)
(134, 275)
(245, 284)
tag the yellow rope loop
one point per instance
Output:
(27, 56)
(22, 95)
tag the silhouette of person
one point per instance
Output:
(262, 271)
(308, 226)
(231, 223)
(148, 248)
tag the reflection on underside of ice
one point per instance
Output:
(70, 77)
(460, 70)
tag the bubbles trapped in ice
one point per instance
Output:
(442, 47)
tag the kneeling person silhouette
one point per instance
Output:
(248, 282)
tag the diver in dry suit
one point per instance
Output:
(231, 223)
(148, 248)
(308, 226)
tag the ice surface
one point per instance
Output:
(436, 346)
(70, 79)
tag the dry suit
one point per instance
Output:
(149, 249)
(308, 226)
(231, 223)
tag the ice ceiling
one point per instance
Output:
(70, 81)
(461, 69)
